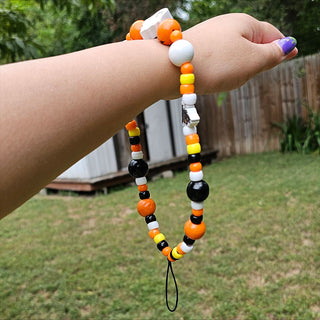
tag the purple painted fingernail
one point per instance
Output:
(287, 44)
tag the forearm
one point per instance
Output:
(54, 111)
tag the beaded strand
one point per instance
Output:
(180, 54)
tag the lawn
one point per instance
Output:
(71, 257)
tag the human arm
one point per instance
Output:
(54, 111)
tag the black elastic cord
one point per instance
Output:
(176, 287)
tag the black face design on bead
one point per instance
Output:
(138, 168)
(198, 190)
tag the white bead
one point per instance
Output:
(137, 155)
(189, 130)
(189, 99)
(197, 205)
(180, 52)
(153, 225)
(141, 180)
(196, 176)
(185, 248)
(150, 26)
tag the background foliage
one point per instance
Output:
(37, 28)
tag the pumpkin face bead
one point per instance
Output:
(198, 191)
(194, 231)
(165, 29)
(138, 168)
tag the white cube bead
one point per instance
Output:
(185, 248)
(197, 205)
(189, 130)
(153, 225)
(189, 99)
(180, 52)
(196, 176)
(140, 181)
(137, 155)
(150, 26)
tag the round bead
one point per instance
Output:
(175, 254)
(185, 248)
(131, 125)
(166, 27)
(134, 140)
(143, 187)
(186, 68)
(189, 99)
(197, 205)
(153, 233)
(196, 166)
(188, 240)
(179, 249)
(146, 207)
(138, 168)
(140, 181)
(135, 30)
(159, 237)
(128, 38)
(189, 130)
(197, 190)
(192, 138)
(187, 78)
(134, 132)
(137, 155)
(180, 52)
(196, 219)
(186, 88)
(197, 213)
(194, 231)
(194, 148)
(162, 244)
(175, 35)
(153, 225)
(166, 251)
(136, 147)
(194, 158)
(196, 175)
(144, 195)
(150, 218)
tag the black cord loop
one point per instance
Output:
(176, 287)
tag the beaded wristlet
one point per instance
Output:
(168, 31)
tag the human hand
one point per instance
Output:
(230, 49)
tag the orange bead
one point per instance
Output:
(175, 35)
(166, 251)
(194, 231)
(131, 125)
(197, 213)
(179, 249)
(153, 233)
(135, 30)
(170, 259)
(192, 138)
(186, 88)
(194, 167)
(186, 68)
(146, 207)
(128, 38)
(143, 187)
(136, 147)
(165, 29)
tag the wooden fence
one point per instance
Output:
(240, 125)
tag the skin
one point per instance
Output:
(54, 111)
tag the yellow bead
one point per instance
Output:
(187, 78)
(159, 237)
(194, 148)
(175, 253)
(134, 132)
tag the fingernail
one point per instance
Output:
(287, 44)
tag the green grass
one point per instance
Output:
(91, 257)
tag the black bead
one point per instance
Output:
(134, 140)
(138, 168)
(144, 195)
(197, 190)
(195, 157)
(188, 240)
(162, 244)
(196, 219)
(150, 218)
